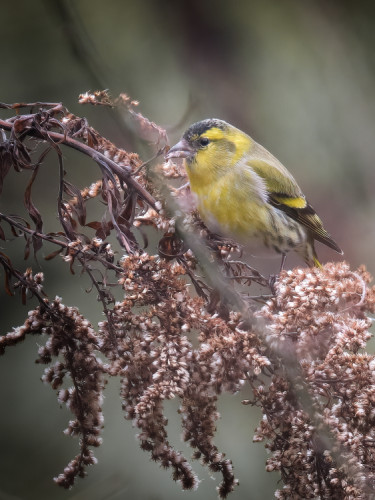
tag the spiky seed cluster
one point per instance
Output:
(318, 319)
(73, 343)
(323, 312)
(157, 361)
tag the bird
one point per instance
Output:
(244, 193)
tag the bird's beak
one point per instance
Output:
(181, 150)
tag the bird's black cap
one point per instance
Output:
(199, 128)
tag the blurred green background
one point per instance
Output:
(299, 76)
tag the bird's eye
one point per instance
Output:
(203, 141)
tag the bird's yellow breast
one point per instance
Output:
(229, 207)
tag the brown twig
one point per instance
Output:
(122, 173)
(62, 244)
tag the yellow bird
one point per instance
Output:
(244, 193)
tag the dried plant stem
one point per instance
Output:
(89, 257)
(98, 157)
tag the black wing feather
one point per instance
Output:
(307, 217)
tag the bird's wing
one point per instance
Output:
(285, 194)
(304, 215)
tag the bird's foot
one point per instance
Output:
(272, 283)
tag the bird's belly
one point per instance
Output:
(257, 227)
(229, 222)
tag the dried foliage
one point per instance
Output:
(299, 345)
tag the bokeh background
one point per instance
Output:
(299, 76)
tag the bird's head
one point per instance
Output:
(210, 147)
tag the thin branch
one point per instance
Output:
(102, 297)
(26, 284)
(62, 244)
